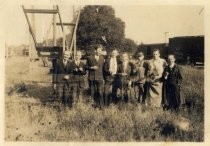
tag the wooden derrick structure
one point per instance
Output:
(53, 51)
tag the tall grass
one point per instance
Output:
(31, 116)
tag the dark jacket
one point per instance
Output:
(77, 75)
(174, 76)
(171, 87)
(60, 71)
(98, 73)
(129, 71)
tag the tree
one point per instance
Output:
(98, 25)
(129, 45)
(97, 22)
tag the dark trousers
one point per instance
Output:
(54, 63)
(108, 92)
(140, 92)
(63, 93)
(91, 88)
(76, 91)
(96, 90)
(121, 91)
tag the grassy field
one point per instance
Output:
(31, 116)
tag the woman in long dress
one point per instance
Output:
(171, 85)
(154, 84)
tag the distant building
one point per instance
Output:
(187, 48)
(26, 52)
(20, 50)
(147, 49)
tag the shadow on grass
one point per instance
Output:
(44, 93)
(39, 91)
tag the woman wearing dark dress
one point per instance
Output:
(172, 79)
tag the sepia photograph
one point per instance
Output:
(103, 73)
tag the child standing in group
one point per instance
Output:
(140, 78)
(172, 79)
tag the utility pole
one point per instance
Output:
(31, 46)
(165, 33)
(74, 36)
(54, 26)
(7, 51)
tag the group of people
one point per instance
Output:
(115, 78)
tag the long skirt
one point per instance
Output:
(171, 95)
(154, 94)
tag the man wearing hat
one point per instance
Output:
(61, 76)
(140, 78)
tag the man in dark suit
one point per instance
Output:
(110, 70)
(77, 80)
(95, 76)
(61, 78)
(123, 79)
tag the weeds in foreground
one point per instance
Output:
(37, 118)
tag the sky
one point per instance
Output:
(145, 24)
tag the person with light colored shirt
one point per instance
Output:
(110, 70)
(154, 80)
(113, 63)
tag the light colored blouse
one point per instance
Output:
(156, 67)
(113, 65)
